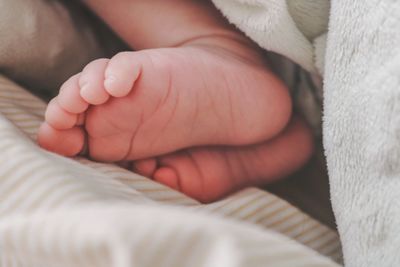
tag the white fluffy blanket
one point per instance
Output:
(361, 70)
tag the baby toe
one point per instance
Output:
(167, 176)
(145, 167)
(64, 142)
(91, 82)
(69, 97)
(122, 72)
(58, 118)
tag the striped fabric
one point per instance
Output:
(56, 211)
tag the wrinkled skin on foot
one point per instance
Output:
(143, 104)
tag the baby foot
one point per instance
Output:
(142, 104)
(208, 174)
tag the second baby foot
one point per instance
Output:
(151, 102)
(209, 173)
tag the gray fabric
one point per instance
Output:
(310, 16)
(45, 42)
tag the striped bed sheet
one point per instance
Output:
(56, 211)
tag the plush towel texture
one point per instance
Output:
(56, 211)
(362, 123)
(361, 71)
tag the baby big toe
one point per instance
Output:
(122, 72)
(91, 82)
(64, 142)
